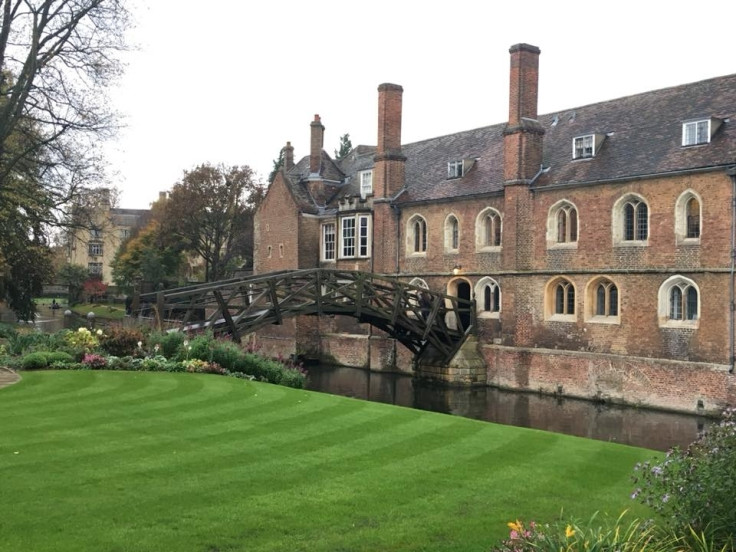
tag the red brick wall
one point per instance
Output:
(659, 383)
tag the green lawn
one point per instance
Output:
(110, 461)
(101, 310)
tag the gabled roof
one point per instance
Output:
(643, 137)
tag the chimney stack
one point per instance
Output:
(523, 133)
(317, 143)
(388, 172)
(524, 83)
(288, 156)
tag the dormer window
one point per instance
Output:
(455, 169)
(700, 131)
(366, 183)
(584, 147)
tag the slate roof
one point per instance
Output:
(643, 137)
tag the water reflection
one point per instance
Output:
(633, 426)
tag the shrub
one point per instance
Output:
(170, 344)
(28, 341)
(119, 341)
(293, 378)
(226, 354)
(35, 361)
(694, 489)
(201, 347)
(198, 366)
(59, 357)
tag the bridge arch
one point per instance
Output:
(415, 316)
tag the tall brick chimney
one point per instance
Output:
(317, 142)
(288, 156)
(388, 172)
(523, 133)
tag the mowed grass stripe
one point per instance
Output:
(251, 466)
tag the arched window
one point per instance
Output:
(452, 234)
(488, 297)
(560, 300)
(488, 229)
(562, 224)
(688, 217)
(601, 301)
(416, 235)
(679, 302)
(631, 221)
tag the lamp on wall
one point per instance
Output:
(456, 269)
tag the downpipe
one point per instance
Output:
(731, 172)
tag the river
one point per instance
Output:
(639, 427)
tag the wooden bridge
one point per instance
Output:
(431, 324)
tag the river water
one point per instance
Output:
(639, 427)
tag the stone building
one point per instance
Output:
(596, 241)
(105, 229)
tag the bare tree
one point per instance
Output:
(57, 57)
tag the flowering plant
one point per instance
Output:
(694, 488)
(594, 536)
(94, 361)
(83, 339)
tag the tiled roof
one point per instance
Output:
(643, 137)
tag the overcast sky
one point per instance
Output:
(230, 81)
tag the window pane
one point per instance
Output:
(642, 222)
(573, 225)
(570, 299)
(676, 303)
(487, 298)
(561, 226)
(702, 132)
(692, 303)
(600, 300)
(693, 218)
(560, 299)
(454, 228)
(363, 236)
(496, 303)
(613, 300)
(496, 230)
(423, 228)
(348, 237)
(628, 221)
(329, 241)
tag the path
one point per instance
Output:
(8, 377)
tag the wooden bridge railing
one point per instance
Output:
(429, 323)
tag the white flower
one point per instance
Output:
(99, 332)
(140, 344)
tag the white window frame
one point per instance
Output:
(455, 169)
(95, 268)
(696, 132)
(96, 249)
(366, 183)
(355, 237)
(329, 241)
(586, 147)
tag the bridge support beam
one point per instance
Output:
(467, 367)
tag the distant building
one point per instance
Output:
(597, 241)
(95, 247)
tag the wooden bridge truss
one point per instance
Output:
(431, 324)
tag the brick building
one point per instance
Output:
(597, 241)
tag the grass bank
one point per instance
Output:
(110, 461)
